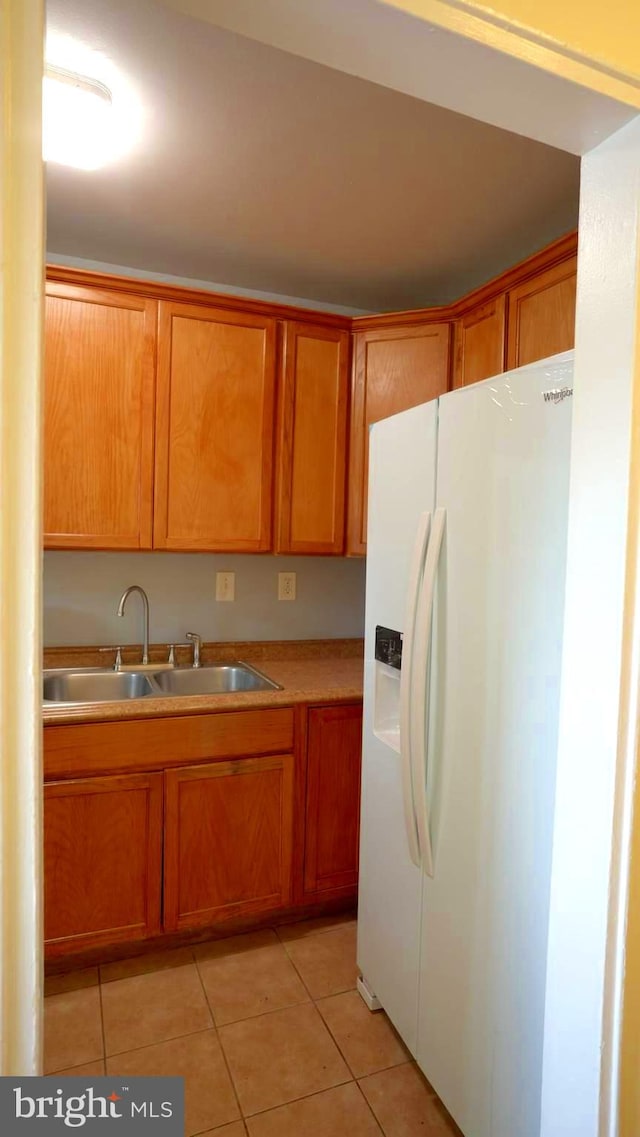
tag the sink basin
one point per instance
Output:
(89, 686)
(212, 679)
(99, 685)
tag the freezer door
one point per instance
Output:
(401, 492)
(502, 477)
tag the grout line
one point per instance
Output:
(261, 1014)
(292, 1101)
(410, 1061)
(369, 1107)
(358, 1077)
(160, 1042)
(219, 1040)
(219, 1128)
(104, 1039)
(264, 1014)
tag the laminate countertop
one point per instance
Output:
(312, 671)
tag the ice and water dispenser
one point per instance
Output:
(386, 711)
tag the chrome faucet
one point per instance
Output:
(196, 641)
(145, 628)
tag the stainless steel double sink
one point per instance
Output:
(101, 685)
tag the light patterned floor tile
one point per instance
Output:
(72, 1029)
(282, 1056)
(248, 975)
(405, 1104)
(150, 1008)
(209, 1097)
(340, 1111)
(87, 1070)
(326, 963)
(367, 1041)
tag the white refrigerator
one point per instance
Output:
(468, 500)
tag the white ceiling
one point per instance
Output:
(265, 170)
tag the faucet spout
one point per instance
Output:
(145, 625)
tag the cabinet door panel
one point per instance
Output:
(228, 843)
(214, 446)
(393, 371)
(98, 418)
(312, 440)
(102, 860)
(480, 343)
(334, 751)
(542, 315)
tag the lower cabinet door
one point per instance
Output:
(228, 840)
(332, 830)
(102, 861)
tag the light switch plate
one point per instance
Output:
(225, 586)
(286, 586)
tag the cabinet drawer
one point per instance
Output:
(154, 744)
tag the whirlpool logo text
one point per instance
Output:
(557, 395)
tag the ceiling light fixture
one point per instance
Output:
(77, 119)
(90, 113)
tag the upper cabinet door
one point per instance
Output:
(214, 433)
(312, 440)
(98, 418)
(393, 370)
(542, 315)
(480, 343)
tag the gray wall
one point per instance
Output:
(81, 593)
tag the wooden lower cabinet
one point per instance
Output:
(228, 840)
(217, 832)
(332, 811)
(102, 861)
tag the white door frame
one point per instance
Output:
(21, 278)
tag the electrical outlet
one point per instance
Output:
(286, 586)
(225, 586)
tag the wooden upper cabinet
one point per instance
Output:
(98, 418)
(393, 369)
(542, 315)
(228, 840)
(214, 429)
(312, 440)
(479, 349)
(102, 861)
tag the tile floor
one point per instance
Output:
(267, 1029)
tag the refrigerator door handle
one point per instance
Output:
(406, 682)
(420, 686)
